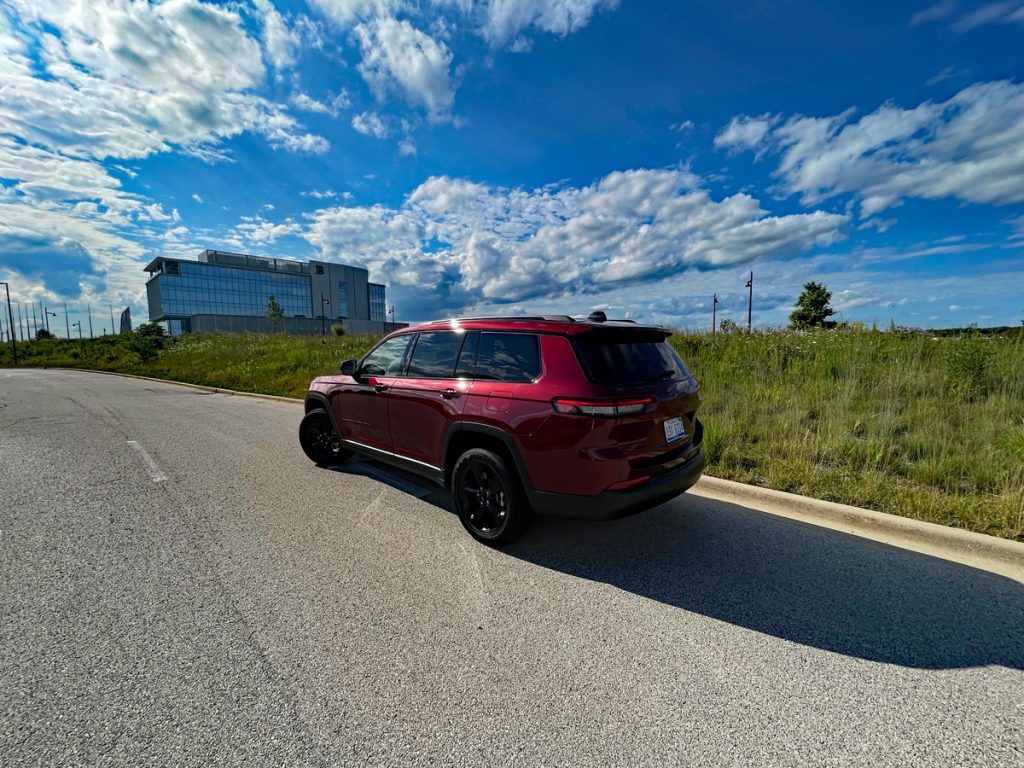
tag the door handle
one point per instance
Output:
(449, 393)
(380, 387)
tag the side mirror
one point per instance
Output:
(348, 368)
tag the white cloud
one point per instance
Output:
(370, 124)
(346, 12)
(407, 148)
(506, 19)
(280, 41)
(332, 106)
(397, 56)
(1006, 12)
(85, 82)
(969, 147)
(197, 197)
(128, 80)
(744, 132)
(258, 231)
(323, 194)
(999, 12)
(455, 242)
(941, 10)
(308, 103)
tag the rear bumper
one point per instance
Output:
(612, 504)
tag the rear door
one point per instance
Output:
(430, 396)
(638, 364)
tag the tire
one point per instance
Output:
(488, 498)
(319, 441)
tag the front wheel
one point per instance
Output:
(488, 498)
(319, 441)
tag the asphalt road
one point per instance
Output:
(180, 586)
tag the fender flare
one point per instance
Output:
(490, 431)
(318, 400)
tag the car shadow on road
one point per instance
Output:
(792, 580)
(795, 581)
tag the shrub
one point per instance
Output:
(967, 366)
(338, 329)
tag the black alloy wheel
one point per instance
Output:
(487, 498)
(319, 441)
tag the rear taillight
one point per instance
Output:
(606, 408)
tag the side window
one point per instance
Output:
(388, 359)
(508, 357)
(435, 354)
(467, 358)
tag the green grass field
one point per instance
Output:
(930, 428)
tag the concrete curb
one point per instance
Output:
(976, 549)
(200, 387)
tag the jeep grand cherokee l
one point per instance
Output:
(590, 418)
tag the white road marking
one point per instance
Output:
(154, 470)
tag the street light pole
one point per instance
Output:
(49, 314)
(78, 324)
(714, 307)
(35, 324)
(89, 309)
(66, 326)
(10, 326)
(111, 319)
(750, 301)
(323, 317)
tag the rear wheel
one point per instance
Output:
(488, 498)
(319, 441)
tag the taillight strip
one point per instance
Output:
(607, 408)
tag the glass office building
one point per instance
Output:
(223, 291)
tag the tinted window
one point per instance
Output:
(467, 358)
(508, 357)
(435, 354)
(634, 358)
(388, 359)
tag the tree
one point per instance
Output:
(42, 333)
(812, 309)
(729, 326)
(147, 340)
(274, 312)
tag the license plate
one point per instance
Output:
(674, 429)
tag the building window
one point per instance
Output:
(343, 299)
(319, 269)
(378, 303)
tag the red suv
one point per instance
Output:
(590, 418)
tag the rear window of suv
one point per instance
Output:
(629, 358)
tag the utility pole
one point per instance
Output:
(21, 322)
(323, 317)
(10, 325)
(89, 310)
(66, 326)
(750, 301)
(35, 325)
(714, 306)
(111, 319)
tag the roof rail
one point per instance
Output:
(507, 318)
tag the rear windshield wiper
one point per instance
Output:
(664, 375)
